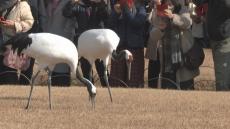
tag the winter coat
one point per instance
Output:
(56, 23)
(87, 16)
(129, 26)
(218, 18)
(155, 36)
(23, 18)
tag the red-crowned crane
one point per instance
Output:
(48, 50)
(102, 44)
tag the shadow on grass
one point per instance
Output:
(13, 98)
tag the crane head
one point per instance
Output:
(129, 60)
(92, 94)
(127, 55)
(90, 87)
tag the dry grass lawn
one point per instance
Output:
(131, 109)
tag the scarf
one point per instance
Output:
(172, 51)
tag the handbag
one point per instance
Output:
(194, 56)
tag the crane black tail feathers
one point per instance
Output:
(18, 42)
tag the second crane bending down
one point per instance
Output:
(102, 44)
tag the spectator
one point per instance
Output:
(198, 15)
(1, 58)
(218, 25)
(171, 18)
(89, 14)
(52, 21)
(128, 21)
(152, 48)
(18, 18)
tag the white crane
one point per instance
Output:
(102, 44)
(48, 50)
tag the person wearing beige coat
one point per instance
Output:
(181, 23)
(18, 18)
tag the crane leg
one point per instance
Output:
(49, 88)
(107, 82)
(31, 89)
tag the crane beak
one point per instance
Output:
(128, 70)
(92, 98)
(18, 73)
(128, 63)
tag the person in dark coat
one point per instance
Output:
(218, 26)
(5, 4)
(128, 20)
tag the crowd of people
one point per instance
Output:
(170, 30)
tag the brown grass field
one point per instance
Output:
(132, 108)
